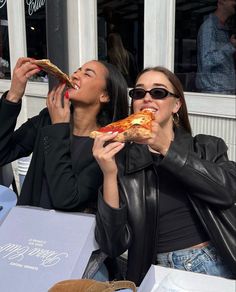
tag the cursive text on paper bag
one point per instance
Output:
(18, 252)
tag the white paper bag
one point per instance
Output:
(40, 247)
(160, 279)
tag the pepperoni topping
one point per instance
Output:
(141, 119)
(111, 129)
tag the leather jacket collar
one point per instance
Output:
(139, 157)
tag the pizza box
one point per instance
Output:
(40, 247)
(160, 279)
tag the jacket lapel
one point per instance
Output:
(138, 157)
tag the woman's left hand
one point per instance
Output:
(160, 140)
(58, 105)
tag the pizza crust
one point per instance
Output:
(52, 69)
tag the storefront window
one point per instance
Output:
(120, 35)
(205, 46)
(35, 19)
(5, 70)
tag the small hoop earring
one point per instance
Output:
(175, 119)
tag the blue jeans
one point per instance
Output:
(102, 274)
(203, 260)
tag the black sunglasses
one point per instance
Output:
(156, 93)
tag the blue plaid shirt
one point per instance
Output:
(216, 68)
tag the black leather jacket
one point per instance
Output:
(201, 165)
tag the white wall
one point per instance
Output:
(216, 126)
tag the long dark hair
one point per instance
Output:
(178, 90)
(116, 88)
(117, 54)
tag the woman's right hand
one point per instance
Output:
(105, 152)
(23, 70)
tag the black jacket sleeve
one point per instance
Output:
(204, 168)
(16, 144)
(112, 231)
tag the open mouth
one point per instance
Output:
(149, 109)
(76, 86)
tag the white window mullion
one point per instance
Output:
(206, 104)
(16, 30)
(16, 34)
(82, 32)
(17, 39)
(159, 33)
(18, 48)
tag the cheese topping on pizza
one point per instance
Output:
(137, 121)
(142, 118)
(133, 128)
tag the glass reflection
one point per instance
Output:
(205, 53)
(35, 19)
(5, 70)
(120, 36)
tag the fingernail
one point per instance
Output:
(111, 133)
(67, 94)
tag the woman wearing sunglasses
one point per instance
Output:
(145, 205)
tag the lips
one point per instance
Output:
(151, 109)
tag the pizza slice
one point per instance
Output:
(52, 69)
(135, 127)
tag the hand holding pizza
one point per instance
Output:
(134, 128)
(140, 127)
(58, 104)
(105, 153)
(160, 140)
(23, 70)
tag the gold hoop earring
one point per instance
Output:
(175, 119)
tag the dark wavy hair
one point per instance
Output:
(178, 90)
(116, 87)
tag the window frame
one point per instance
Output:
(18, 46)
(82, 46)
(159, 13)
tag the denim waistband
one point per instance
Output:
(209, 248)
(204, 260)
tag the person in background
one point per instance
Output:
(121, 58)
(216, 51)
(145, 205)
